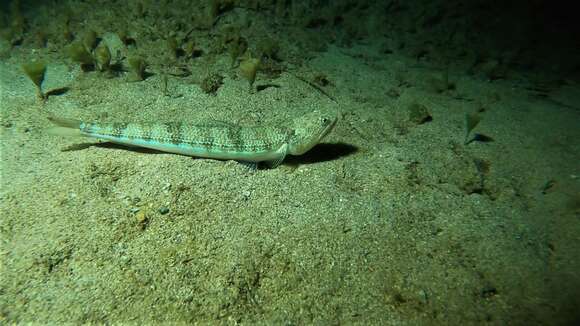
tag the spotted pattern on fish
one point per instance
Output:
(215, 140)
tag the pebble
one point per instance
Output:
(163, 210)
(141, 217)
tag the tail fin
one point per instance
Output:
(65, 127)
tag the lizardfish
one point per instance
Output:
(215, 140)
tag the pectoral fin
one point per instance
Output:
(274, 163)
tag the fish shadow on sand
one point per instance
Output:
(320, 153)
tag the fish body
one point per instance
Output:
(214, 140)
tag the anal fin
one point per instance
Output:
(253, 166)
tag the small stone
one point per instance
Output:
(393, 92)
(141, 217)
(423, 297)
(419, 114)
(211, 83)
(488, 291)
(142, 220)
